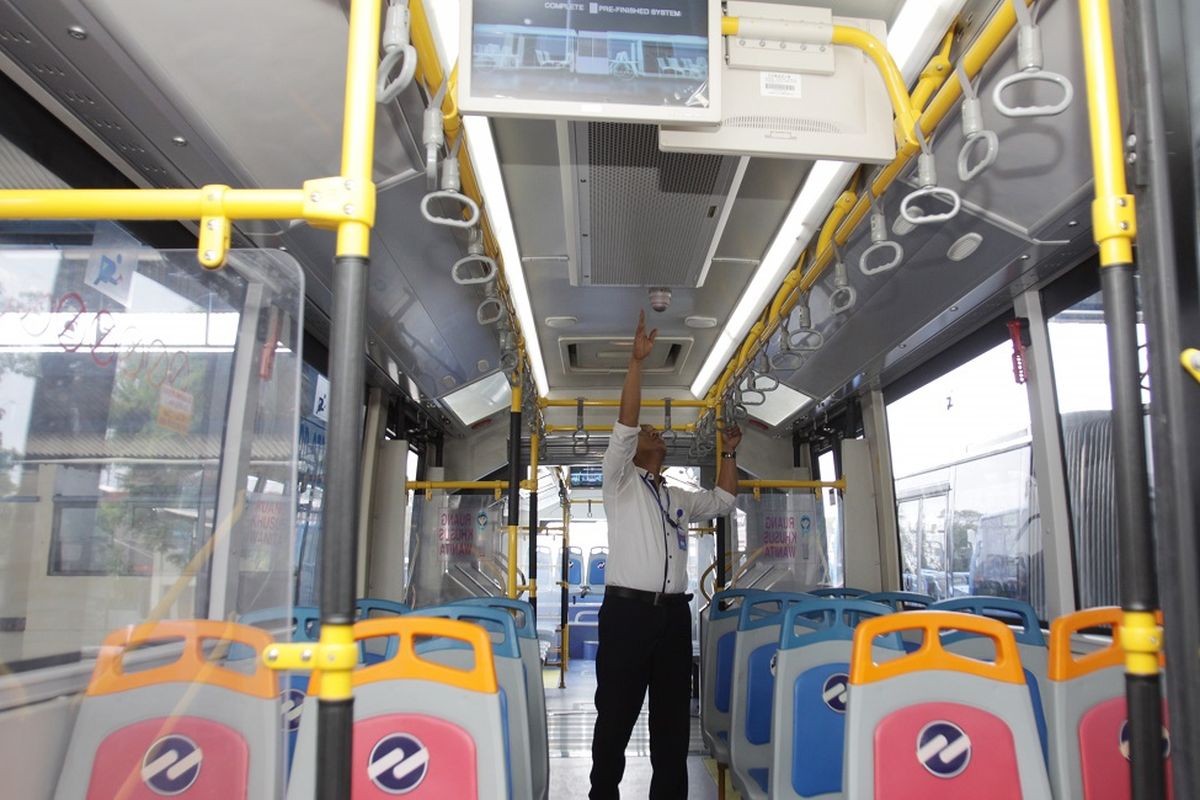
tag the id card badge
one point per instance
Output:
(680, 530)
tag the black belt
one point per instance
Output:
(653, 598)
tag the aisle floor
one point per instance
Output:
(571, 717)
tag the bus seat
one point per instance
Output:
(1087, 716)
(574, 565)
(584, 626)
(370, 608)
(597, 561)
(304, 623)
(903, 601)
(510, 674)
(900, 601)
(535, 692)
(936, 724)
(838, 592)
(753, 689)
(192, 727)
(421, 728)
(1027, 631)
(811, 684)
(719, 625)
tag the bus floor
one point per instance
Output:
(571, 718)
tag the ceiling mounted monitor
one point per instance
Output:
(651, 61)
(795, 101)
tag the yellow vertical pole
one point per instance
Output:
(358, 122)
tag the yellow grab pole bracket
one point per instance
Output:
(1190, 359)
(1141, 639)
(1114, 221)
(335, 655)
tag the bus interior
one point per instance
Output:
(301, 491)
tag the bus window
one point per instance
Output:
(966, 501)
(1079, 350)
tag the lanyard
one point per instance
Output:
(657, 499)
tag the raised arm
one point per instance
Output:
(631, 393)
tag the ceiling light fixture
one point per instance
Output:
(919, 28)
(444, 20)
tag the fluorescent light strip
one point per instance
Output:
(491, 183)
(919, 27)
(444, 19)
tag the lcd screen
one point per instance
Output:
(647, 60)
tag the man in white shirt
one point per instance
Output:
(645, 621)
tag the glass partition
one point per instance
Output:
(148, 436)
(786, 547)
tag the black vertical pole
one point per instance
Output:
(722, 549)
(564, 644)
(1166, 110)
(533, 525)
(514, 481)
(339, 541)
(1139, 581)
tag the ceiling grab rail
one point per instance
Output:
(451, 190)
(879, 241)
(579, 439)
(973, 131)
(475, 255)
(510, 355)
(786, 358)
(844, 296)
(397, 49)
(927, 178)
(491, 310)
(1029, 64)
(669, 434)
(806, 338)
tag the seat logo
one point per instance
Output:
(834, 692)
(1124, 741)
(171, 765)
(398, 763)
(944, 749)
(292, 703)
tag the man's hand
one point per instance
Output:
(643, 343)
(731, 437)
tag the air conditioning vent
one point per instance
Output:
(644, 217)
(602, 355)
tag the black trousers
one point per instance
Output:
(642, 646)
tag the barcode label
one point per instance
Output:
(779, 84)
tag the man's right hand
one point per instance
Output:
(643, 343)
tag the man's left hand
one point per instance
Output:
(731, 438)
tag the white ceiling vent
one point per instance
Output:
(602, 355)
(644, 217)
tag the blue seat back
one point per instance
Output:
(900, 601)
(1031, 644)
(843, 592)
(574, 566)
(811, 693)
(597, 562)
(718, 630)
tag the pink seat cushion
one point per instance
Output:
(1104, 768)
(182, 756)
(944, 750)
(413, 755)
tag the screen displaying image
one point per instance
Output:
(625, 52)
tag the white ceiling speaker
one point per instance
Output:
(561, 322)
(700, 323)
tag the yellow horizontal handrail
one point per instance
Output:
(786, 484)
(687, 427)
(546, 402)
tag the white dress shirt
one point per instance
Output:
(647, 524)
